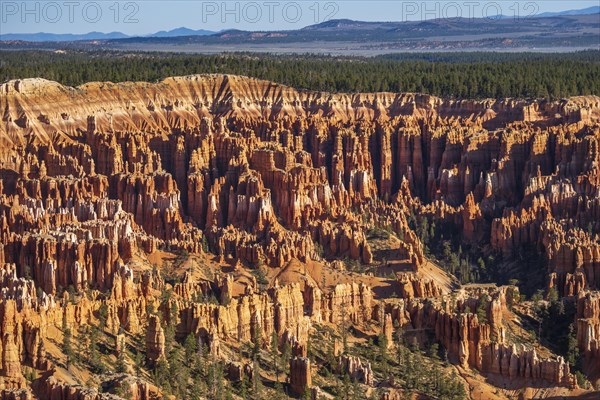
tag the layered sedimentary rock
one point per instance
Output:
(455, 320)
(251, 158)
(346, 303)
(412, 286)
(588, 331)
(300, 375)
(96, 178)
(51, 389)
(356, 369)
(155, 341)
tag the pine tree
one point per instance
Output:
(306, 395)
(346, 388)
(256, 340)
(285, 356)
(257, 386)
(138, 362)
(83, 343)
(383, 350)
(434, 351)
(197, 390)
(572, 347)
(275, 354)
(343, 327)
(94, 357)
(482, 307)
(67, 346)
(102, 316)
(190, 346)
(169, 330)
(121, 365)
(244, 387)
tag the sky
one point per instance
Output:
(147, 16)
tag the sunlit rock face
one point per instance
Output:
(95, 178)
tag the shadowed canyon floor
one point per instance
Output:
(217, 236)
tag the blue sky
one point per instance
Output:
(147, 16)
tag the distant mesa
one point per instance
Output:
(183, 31)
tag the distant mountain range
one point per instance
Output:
(583, 11)
(69, 37)
(567, 31)
(182, 32)
(331, 25)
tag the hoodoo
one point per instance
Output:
(219, 223)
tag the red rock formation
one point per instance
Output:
(51, 388)
(227, 162)
(300, 375)
(16, 394)
(155, 341)
(412, 286)
(512, 362)
(391, 395)
(388, 330)
(236, 371)
(588, 331)
(349, 303)
(259, 173)
(356, 369)
(482, 345)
